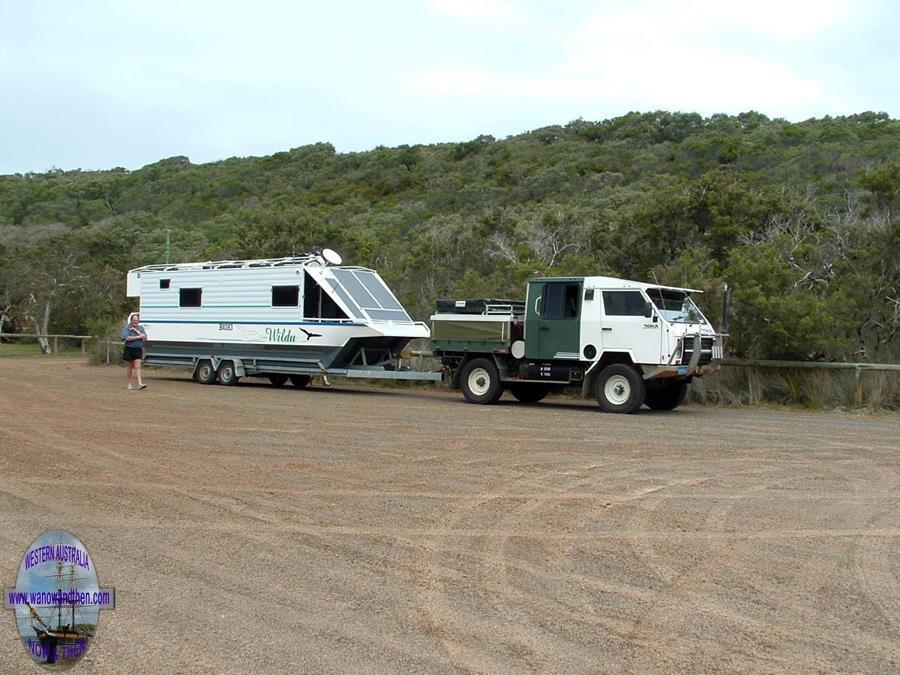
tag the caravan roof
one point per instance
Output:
(360, 290)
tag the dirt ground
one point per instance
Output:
(258, 529)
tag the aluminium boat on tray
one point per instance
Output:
(304, 314)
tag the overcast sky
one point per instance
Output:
(99, 84)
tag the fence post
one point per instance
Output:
(55, 344)
(858, 392)
(107, 352)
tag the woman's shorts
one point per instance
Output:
(132, 354)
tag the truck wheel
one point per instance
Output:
(206, 374)
(667, 397)
(227, 375)
(619, 388)
(278, 379)
(300, 381)
(480, 382)
(528, 393)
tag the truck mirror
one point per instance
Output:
(648, 309)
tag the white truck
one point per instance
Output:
(280, 318)
(628, 343)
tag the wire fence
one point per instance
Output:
(739, 381)
(52, 339)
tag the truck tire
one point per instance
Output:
(206, 374)
(528, 393)
(300, 381)
(278, 379)
(480, 382)
(227, 374)
(619, 388)
(667, 397)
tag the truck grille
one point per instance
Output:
(707, 348)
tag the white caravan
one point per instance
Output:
(279, 318)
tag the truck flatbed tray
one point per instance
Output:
(480, 306)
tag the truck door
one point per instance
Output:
(626, 328)
(553, 325)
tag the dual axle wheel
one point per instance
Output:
(227, 375)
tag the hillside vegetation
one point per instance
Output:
(801, 220)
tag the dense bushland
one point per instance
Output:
(801, 220)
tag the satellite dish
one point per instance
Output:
(332, 257)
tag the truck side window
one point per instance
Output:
(623, 303)
(560, 301)
(190, 297)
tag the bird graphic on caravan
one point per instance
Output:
(309, 335)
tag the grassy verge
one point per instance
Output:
(20, 349)
(811, 389)
(67, 349)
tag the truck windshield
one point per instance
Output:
(675, 306)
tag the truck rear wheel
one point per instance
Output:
(480, 382)
(227, 374)
(206, 374)
(528, 393)
(619, 388)
(300, 381)
(278, 379)
(667, 397)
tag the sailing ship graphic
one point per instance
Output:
(64, 628)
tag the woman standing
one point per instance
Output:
(134, 335)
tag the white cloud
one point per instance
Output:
(700, 55)
(784, 18)
(476, 9)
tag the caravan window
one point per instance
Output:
(285, 296)
(317, 304)
(345, 298)
(164, 283)
(371, 294)
(190, 297)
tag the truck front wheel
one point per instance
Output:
(667, 397)
(619, 388)
(480, 382)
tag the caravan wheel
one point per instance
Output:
(278, 379)
(206, 374)
(227, 376)
(300, 381)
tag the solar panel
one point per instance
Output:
(371, 294)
